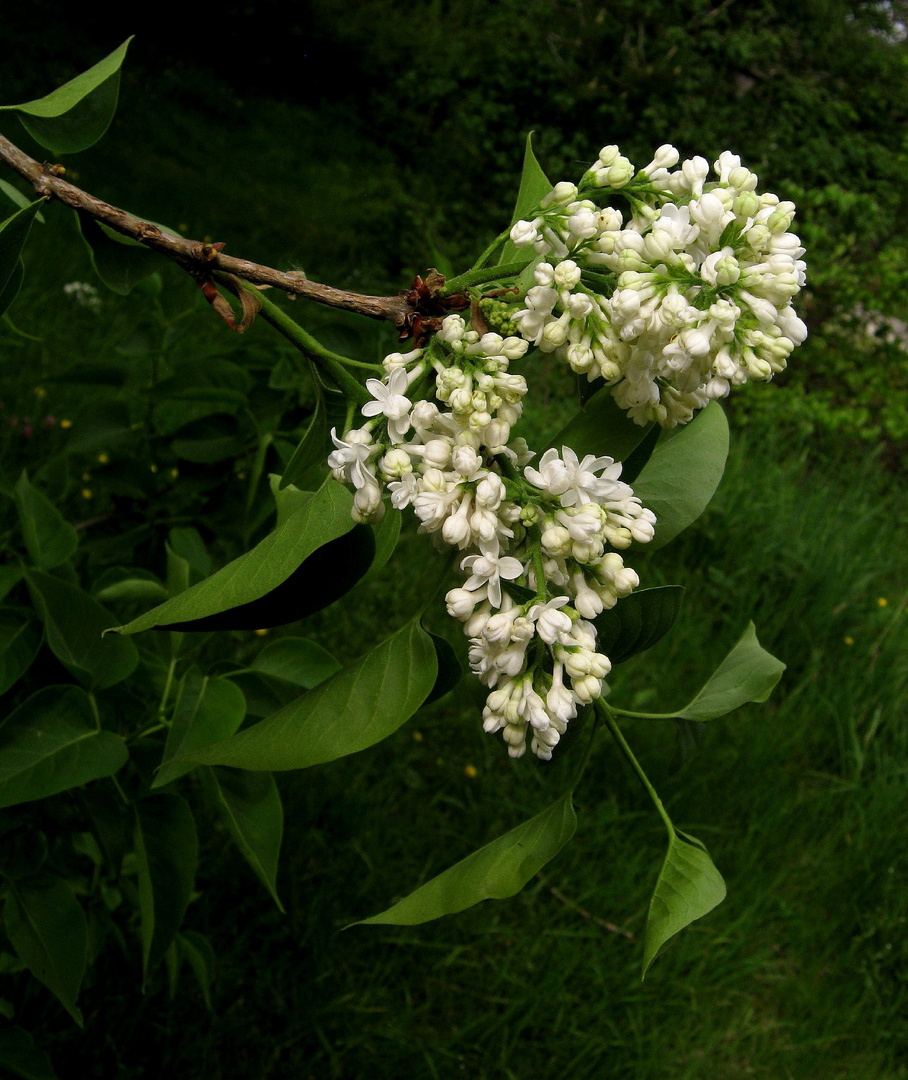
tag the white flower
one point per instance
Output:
(390, 401)
(574, 481)
(488, 569)
(351, 455)
(551, 624)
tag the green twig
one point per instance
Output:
(331, 363)
(606, 713)
(587, 750)
(500, 239)
(162, 707)
(479, 277)
(94, 709)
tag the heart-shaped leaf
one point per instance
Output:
(167, 851)
(323, 517)
(600, 428)
(207, 710)
(74, 624)
(312, 446)
(251, 806)
(494, 872)
(13, 234)
(534, 186)
(46, 925)
(120, 262)
(295, 660)
(683, 473)
(687, 888)
(77, 114)
(356, 708)
(21, 1057)
(20, 640)
(51, 743)
(49, 539)
(638, 621)
(748, 673)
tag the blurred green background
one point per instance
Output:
(365, 143)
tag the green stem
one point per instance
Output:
(162, 707)
(500, 239)
(479, 277)
(258, 466)
(581, 768)
(539, 567)
(148, 731)
(94, 709)
(329, 362)
(643, 715)
(606, 713)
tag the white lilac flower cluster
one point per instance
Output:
(540, 544)
(685, 297)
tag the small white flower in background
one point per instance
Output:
(84, 294)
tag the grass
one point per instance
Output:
(802, 801)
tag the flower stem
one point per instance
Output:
(479, 277)
(581, 768)
(500, 239)
(607, 715)
(331, 363)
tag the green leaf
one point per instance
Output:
(295, 660)
(188, 544)
(74, 624)
(356, 708)
(450, 669)
(48, 538)
(51, 744)
(10, 290)
(387, 533)
(10, 576)
(20, 640)
(312, 445)
(251, 806)
(534, 186)
(209, 440)
(167, 851)
(322, 518)
(495, 872)
(748, 673)
(687, 888)
(104, 807)
(120, 262)
(325, 576)
(46, 925)
(131, 588)
(638, 621)
(19, 1054)
(600, 428)
(77, 114)
(635, 461)
(19, 198)
(172, 967)
(683, 473)
(197, 951)
(13, 234)
(207, 710)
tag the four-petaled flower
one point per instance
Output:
(488, 569)
(390, 400)
(574, 481)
